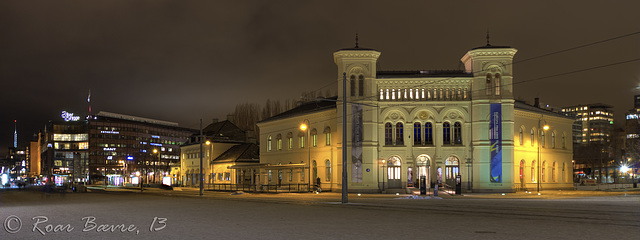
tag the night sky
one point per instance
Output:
(185, 60)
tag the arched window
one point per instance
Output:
(488, 85)
(521, 136)
(452, 167)
(553, 139)
(564, 141)
(563, 173)
(542, 175)
(269, 143)
(553, 172)
(417, 133)
(388, 134)
(446, 133)
(522, 171)
(279, 142)
(457, 133)
(533, 171)
(352, 84)
(301, 139)
(290, 140)
(542, 138)
(328, 170)
(497, 84)
(327, 135)
(533, 137)
(314, 137)
(428, 133)
(361, 86)
(399, 134)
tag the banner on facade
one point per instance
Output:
(495, 137)
(356, 146)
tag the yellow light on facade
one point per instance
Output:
(155, 150)
(546, 127)
(208, 142)
(303, 127)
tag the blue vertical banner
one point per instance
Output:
(356, 144)
(495, 137)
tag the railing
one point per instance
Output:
(269, 188)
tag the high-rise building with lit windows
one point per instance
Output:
(109, 148)
(594, 123)
(631, 156)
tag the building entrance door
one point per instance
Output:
(393, 172)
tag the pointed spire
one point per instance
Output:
(356, 40)
(488, 38)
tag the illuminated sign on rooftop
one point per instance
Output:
(69, 117)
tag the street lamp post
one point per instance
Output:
(306, 127)
(155, 165)
(544, 128)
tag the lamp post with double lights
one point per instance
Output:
(544, 128)
(305, 126)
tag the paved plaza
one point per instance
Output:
(162, 214)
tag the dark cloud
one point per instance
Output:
(185, 60)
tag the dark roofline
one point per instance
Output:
(306, 108)
(521, 105)
(423, 73)
(489, 46)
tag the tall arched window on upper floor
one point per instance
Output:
(388, 134)
(428, 133)
(533, 137)
(314, 137)
(290, 140)
(327, 136)
(301, 140)
(399, 134)
(553, 139)
(542, 138)
(279, 142)
(352, 84)
(457, 133)
(417, 133)
(361, 85)
(269, 143)
(446, 133)
(564, 141)
(521, 136)
(497, 84)
(488, 85)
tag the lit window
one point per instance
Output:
(314, 137)
(269, 144)
(327, 135)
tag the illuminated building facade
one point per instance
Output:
(125, 149)
(595, 122)
(405, 125)
(631, 156)
(224, 145)
(64, 147)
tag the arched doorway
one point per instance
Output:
(393, 172)
(423, 164)
(452, 169)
